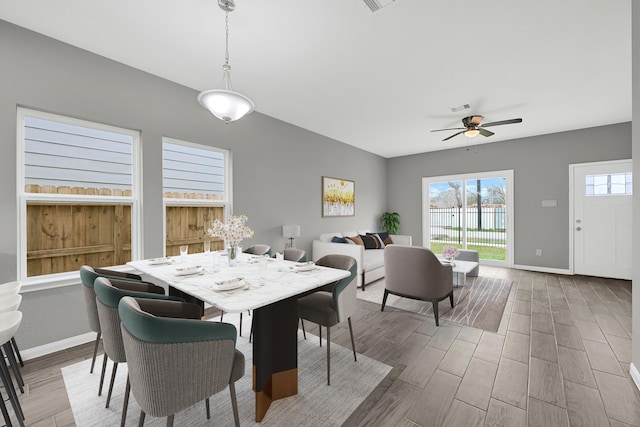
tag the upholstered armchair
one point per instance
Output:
(333, 303)
(175, 363)
(415, 272)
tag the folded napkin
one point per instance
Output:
(188, 269)
(225, 285)
(307, 266)
(160, 261)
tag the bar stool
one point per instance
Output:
(10, 288)
(12, 303)
(9, 324)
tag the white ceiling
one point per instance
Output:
(378, 81)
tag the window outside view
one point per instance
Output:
(469, 214)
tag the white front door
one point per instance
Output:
(601, 220)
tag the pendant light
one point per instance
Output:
(226, 104)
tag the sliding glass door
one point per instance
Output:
(470, 211)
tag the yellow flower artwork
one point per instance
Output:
(338, 197)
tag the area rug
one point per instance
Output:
(316, 404)
(479, 303)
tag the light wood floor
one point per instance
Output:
(561, 357)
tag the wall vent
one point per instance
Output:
(376, 5)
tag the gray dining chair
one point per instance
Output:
(109, 292)
(88, 276)
(415, 272)
(258, 249)
(295, 255)
(333, 303)
(175, 363)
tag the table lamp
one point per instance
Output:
(290, 232)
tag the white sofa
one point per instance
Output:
(370, 261)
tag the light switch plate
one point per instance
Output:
(549, 203)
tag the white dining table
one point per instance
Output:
(280, 279)
(271, 291)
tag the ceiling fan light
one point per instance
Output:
(226, 105)
(470, 133)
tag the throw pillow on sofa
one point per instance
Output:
(386, 239)
(370, 242)
(355, 240)
(378, 238)
(337, 239)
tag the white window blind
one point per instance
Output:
(59, 154)
(190, 171)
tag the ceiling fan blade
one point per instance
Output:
(485, 132)
(455, 134)
(438, 130)
(502, 122)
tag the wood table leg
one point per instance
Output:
(275, 353)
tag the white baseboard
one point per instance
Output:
(635, 375)
(43, 350)
(543, 269)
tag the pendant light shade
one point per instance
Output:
(226, 104)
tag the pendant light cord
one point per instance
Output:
(226, 67)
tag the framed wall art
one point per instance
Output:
(338, 197)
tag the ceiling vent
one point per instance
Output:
(460, 108)
(376, 5)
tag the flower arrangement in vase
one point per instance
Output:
(232, 232)
(450, 253)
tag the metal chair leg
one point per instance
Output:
(304, 334)
(207, 408)
(170, 420)
(125, 405)
(328, 355)
(13, 363)
(234, 404)
(13, 396)
(95, 352)
(113, 379)
(104, 371)
(353, 343)
(141, 422)
(241, 324)
(320, 334)
(5, 413)
(17, 351)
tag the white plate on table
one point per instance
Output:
(227, 285)
(308, 266)
(189, 270)
(160, 261)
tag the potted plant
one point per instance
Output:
(390, 222)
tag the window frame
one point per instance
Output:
(55, 280)
(225, 202)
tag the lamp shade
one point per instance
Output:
(226, 105)
(291, 231)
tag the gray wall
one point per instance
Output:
(277, 167)
(541, 171)
(635, 43)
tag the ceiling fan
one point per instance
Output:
(473, 126)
